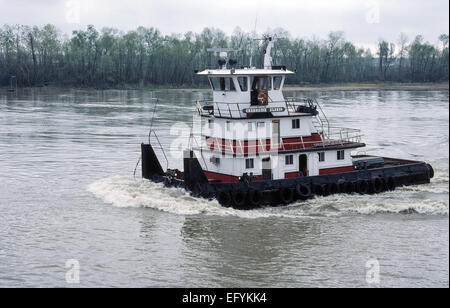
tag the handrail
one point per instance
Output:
(228, 146)
(290, 105)
(160, 146)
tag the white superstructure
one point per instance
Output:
(251, 129)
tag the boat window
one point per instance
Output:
(321, 156)
(341, 155)
(261, 124)
(289, 159)
(215, 84)
(277, 82)
(261, 83)
(296, 123)
(243, 83)
(251, 126)
(222, 84)
(211, 124)
(249, 163)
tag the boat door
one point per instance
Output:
(260, 91)
(275, 142)
(303, 164)
(266, 168)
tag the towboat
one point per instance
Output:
(257, 148)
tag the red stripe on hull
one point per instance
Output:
(336, 170)
(291, 175)
(225, 178)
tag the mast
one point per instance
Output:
(267, 57)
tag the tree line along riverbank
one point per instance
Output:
(145, 58)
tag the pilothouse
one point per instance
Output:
(259, 147)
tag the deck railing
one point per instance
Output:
(339, 137)
(235, 110)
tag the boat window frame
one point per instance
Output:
(245, 82)
(340, 157)
(221, 84)
(280, 87)
(321, 156)
(289, 160)
(249, 163)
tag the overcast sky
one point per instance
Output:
(363, 21)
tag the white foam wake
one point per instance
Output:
(126, 192)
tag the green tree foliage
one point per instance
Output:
(143, 57)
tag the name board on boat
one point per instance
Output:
(264, 109)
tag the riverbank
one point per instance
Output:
(382, 86)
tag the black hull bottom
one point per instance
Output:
(249, 195)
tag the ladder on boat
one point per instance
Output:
(321, 123)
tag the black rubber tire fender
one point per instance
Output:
(238, 198)
(362, 187)
(286, 195)
(377, 185)
(347, 187)
(430, 171)
(255, 197)
(390, 183)
(321, 190)
(303, 191)
(333, 188)
(224, 198)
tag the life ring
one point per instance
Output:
(286, 195)
(362, 187)
(224, 198)
(303, 191)
(255, 197)
(377, 185)
(238, 198)
(390, 184)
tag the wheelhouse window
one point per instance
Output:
(295, 123)
(340, 155)
(261, 83)
(289, 159)
(277, 81)
(243, 83)
(249, 163)
(321, 156)
(222, 83)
